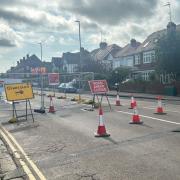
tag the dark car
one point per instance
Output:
(67, 88)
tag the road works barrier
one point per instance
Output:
(101, 132)
(159, 109)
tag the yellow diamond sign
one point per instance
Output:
(18, 91)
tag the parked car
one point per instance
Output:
(67, 88)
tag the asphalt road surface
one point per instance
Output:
(63, 145)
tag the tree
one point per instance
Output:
(168, 53)
(93, 66)
(118, 75)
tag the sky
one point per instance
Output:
(25, 23)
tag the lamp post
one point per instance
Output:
(42, 108)
(80, 67)
(79, 23)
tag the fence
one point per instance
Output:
(76, 80)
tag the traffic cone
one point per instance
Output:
(133, 103)
(159, 109)
(135, 117)
(101, 132)
(118, 100)
(51, 107)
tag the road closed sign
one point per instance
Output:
(53, 78)
(98, 86)
(19, 91)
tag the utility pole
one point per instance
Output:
(80, 65)
(42, 109)
(79, 23)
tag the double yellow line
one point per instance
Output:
(30, 169)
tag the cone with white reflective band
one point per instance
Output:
(136, 118)
(101, 132)
(51, 107)
(133, 103)
(159, 109)
(118, 100)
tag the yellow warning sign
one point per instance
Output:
(18, 91)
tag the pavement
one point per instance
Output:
(63, 145)
(145, 96)
(8, 168)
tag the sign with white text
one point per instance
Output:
(38, 70)
(53, 78)
(98, 86)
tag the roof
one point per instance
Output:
(57, 61)
(74, 58)
(151, 40)
(101, 53)
(71, 58)
(127, 50)
(31, 61)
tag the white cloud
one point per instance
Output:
(53, 22)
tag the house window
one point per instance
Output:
(137, 59)
(128, 61)
(148, 57)
(146, 75)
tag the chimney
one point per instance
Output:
(17, 63)
(133, 42)
(21, 60)
(27, 56)
(171, 28)
(103, 45)
(24, 59)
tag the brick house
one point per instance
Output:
(145, 55)
(105, 54)
(24, 66)
(125, 56)
(71, 61)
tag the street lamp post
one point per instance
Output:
(42, 109)
(79, 23)
(80, 65)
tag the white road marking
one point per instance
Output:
(165, 110)
(149, 117)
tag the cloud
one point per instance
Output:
(6, 43)
(111, 12)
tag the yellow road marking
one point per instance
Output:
(38, 172)
(17, 156)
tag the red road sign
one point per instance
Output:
(98, 86)
(53, 78)
(38, 70)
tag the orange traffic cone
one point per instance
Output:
(135, 117)
(101, 132)
(118, 100)
(133, 103)
(51, 107)
(159, 109)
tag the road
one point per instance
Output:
(63, 145)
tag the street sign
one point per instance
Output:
(53, 78)
(37, 70)
(98, 86)
(19, 91)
